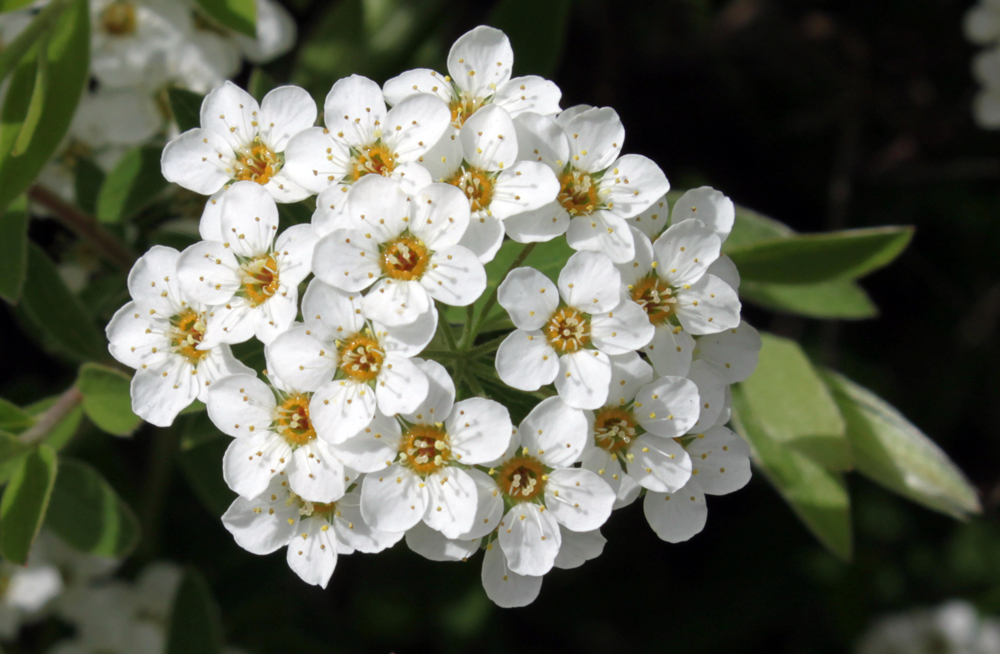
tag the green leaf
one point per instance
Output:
(11, 449)
(132, 185)
(13, 418)
(811, 258)
(841, 299)
(62, 432)
(186, 107)
(817, 496)
(195, 623)
(107, 400)
(11, 5)
(237, 15)
(197, 429)
(537, 32)
(87, 183)
(260, 83)
(13, 249)
(791, 402)
(891, 451)
(87, 513)
(14, 52)
(202, 467)
(56, 312)
(751, 227)
(25, 500)
(66, 56)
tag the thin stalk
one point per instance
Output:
(445, 329)
(488, 346)
(493, 296)
(470, 316)
(52, 417)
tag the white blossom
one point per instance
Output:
(131, 40)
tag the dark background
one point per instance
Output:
(823, 115)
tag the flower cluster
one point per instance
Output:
(954, 627)
(982, 27)
(360, 433)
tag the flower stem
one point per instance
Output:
(470, 317)
(493, 296)
(488, 346)
(445, 330)
(52, 417)
(86, 227)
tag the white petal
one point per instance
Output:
(276, 32)
(347, 259)
(249, 219)
(315, 160)
(602, 231)
(671, 350)
(668, 407)
(489, 139)
(726, 270)
(252, 461)
(401, 386)
(526, 361)
(294, 253)
(241, 405)
(625, 329)
(408, 340)
(395, 303)
(440, 215)
(660, 464)
(341, 408)
(579, 499)
(481, 60)
(541, 139)
(529, 297)
(629, 373)
(160, 392)
(264, 524)
(583, 379)
(134, 335)
(653, 220)
(230, 112)
(503, 586)
(733, 353)
(685, 251)
(218, 364)
(489, 509)
(530, 538)
(329, 310)
(432, 544)
(479, 429)
(708, 306)
(420, 80)
(209, 272)
(711, 392)
(524, 186)
(590, 282)
(608, 468)
(355, 108)
(199, 160)
(331, 209)
(210, 223)
(153, 282)
(273, 317)
(555, 433)
(232, 322)
(528, 93)
(676, 517)
(453, 498)
(641, 264)
(578, 547)
(301, 360)
(352, 529)
(312, 553)
(394, 499)
(378, 206)
(484, 236)
(284, 112)
(373, 448)
(709, 206)
(455, 276)
(595, 138)
(721, 460)
(632, 185)
(437, 406)
(414, 126)
(315, 474)
(543, 224)
(628, 492)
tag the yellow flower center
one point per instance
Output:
(118, 18)
(425, 448)
(260, 280)
(522, 478)
(477, 186)
(405, 258)
(374, 160)
(361, 357)
(614, 430)
(292, 420)
(655, 298)
(256, 163)
(568, 330)
(578, 193)
(463, 107)
(188, 330)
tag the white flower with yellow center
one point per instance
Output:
(240, 140)
(565, 335)
(351, 364)
(632, 437)
(599, 189)
(362, 138)
(426, 479)
(315, 533)
(273, 434)
(160, 334)
(248, 277)
(404, 248)
(131, 40)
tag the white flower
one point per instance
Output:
(405, 248)
(543, 491)
(598, 188)
(240, 140)
(349, 362)
(273, 434)
(315, 533)
(362, 138)
(25, 591)
(498, 186)
(131, 40)
(982, 22)
(426, 479)
(633, 436)
(160, 333)
(480, 65)
(205, 60)
(116, 117)
(954, 627)
(554, 340)
(250, 278)
(276, 32)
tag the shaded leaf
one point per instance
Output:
(537, 32)
(13, 249)
(13, 418)
(107, 400)
(65, 430)
(202, 467)
(87, 183)
(11, 449)
(842, 299)
(195, 622)
(24, 503)
(237, 15)
(186, 107)
(131, 186)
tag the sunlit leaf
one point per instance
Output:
(106, 399)
(842, 299)
(132, 185)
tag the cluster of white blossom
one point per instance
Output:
(982, 27)
(955, 627)
(354, 442)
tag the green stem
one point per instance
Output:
(470, 317)
(52, 417)
(470, 379)
(443, 354)
(493, 296)
(488, 346)
(445, 330)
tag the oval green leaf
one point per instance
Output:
(24, 503)
(107, 400)
(841, 299)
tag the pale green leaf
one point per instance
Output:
(841, 299)
(24, 503)
(106, 399)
